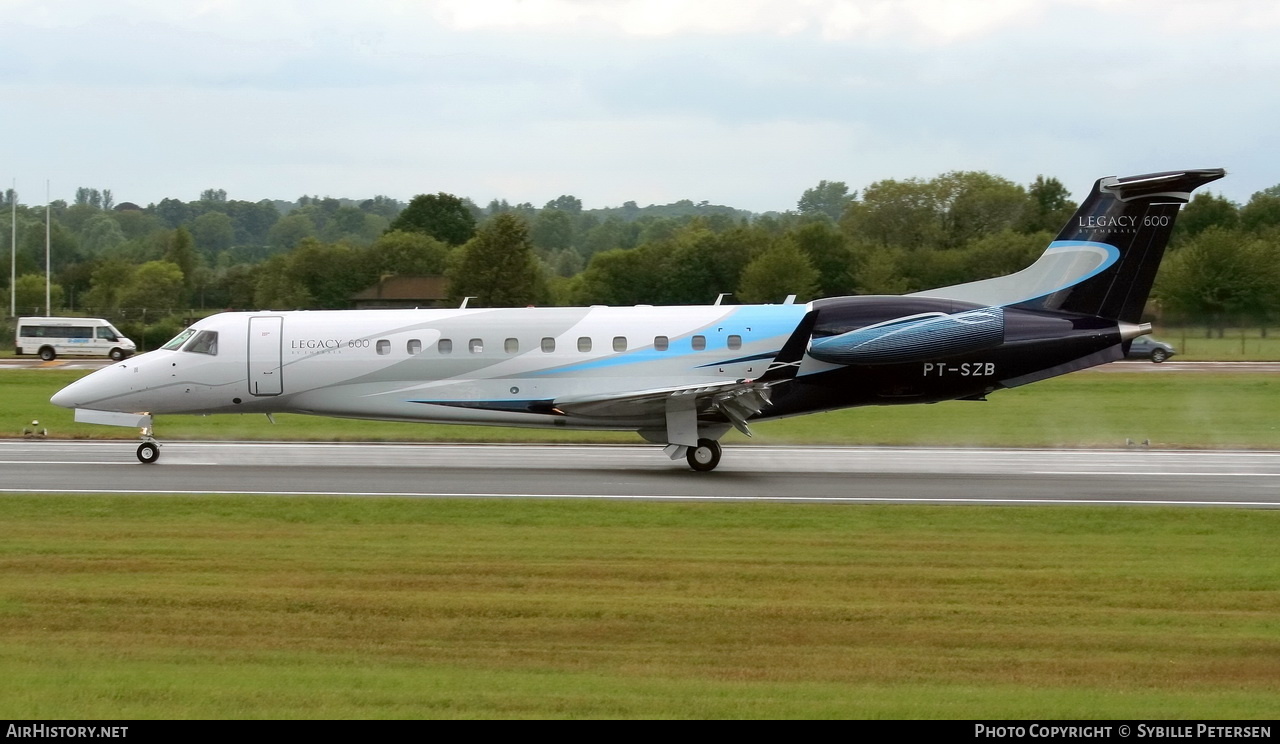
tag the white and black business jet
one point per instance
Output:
(679, 376)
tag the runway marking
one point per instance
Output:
(61, 462)
(633, 497)
(1149, 472)
(1125, 473)
(94, 462)
(1095, 473)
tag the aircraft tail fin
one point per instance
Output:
(1105, 259)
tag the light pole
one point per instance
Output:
(48, 311)
(13, 253)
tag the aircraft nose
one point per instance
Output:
(96, 390)
(69, 396)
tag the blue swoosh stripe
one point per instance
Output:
(1113, 255)
(768, 320)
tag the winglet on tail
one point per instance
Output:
(1105, 259)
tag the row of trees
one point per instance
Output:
(895, 236)
(1224, 265)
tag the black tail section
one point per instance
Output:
(1104, 261)
(1134, 216)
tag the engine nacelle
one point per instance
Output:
(897, 330)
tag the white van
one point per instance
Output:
(51, 337)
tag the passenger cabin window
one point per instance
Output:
(205, 342)
(660, 343)
(476, 345)
(445, 346)
(548, 345)
(413, 346)
(735, 342)
(511, 346)
(383, 346)
(699, 343)
(177, 341)
(619, 343)
(584, 343)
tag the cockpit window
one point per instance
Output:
(205, 342)
(179, 340)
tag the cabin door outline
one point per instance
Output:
(266, 352)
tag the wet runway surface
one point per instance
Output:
(1175, 367)
(1128, 477)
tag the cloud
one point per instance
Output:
(746, 102)
(919, 20)
(829, 19)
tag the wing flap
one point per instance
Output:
(736, 400)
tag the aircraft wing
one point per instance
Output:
(681, 405)
(736, 400)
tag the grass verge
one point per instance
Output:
(1233, 345)
(244, 607)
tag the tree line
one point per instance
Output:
(157, 266)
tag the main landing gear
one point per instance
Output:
(705, 456)
(149, 450)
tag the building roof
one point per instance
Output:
(425, 289)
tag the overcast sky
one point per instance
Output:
(738, 102)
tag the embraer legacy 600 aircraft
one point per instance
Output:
(679, 376)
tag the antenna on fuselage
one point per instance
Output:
(721, 296)
(464, 302)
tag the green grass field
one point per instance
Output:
(1235, 345)
(1087, 409)
(243, 607)
(259, 607)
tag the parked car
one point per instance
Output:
(1145, 347)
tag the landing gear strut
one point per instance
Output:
(705, 456)
(149, 450)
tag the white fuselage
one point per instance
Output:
(494, 366)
